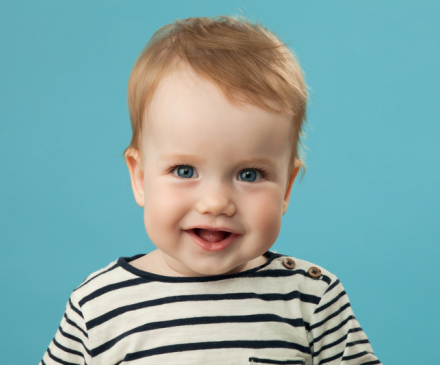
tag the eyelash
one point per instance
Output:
(264, 173)
(172, 168)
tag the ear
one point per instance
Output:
(292, 177)
(135, 168)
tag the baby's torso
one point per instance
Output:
(262, 315)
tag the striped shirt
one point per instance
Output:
(272, 314)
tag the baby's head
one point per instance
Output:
(247, 62)
(217, 109)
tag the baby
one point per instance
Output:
(217, 109)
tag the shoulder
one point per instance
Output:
(334, 334)
(308, 269)
(309, 277)
(104, 279)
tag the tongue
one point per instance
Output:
(210, 236)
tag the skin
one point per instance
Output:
(191, 123)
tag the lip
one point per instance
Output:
(211, 228)
(212, 246)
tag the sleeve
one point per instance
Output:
(70, 344)
(335, 334)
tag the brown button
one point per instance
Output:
(289, 263)
(314, 272)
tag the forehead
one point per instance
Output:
(188, 111)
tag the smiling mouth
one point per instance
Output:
(211, 235)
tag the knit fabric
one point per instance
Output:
(272, 314)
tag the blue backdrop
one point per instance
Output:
(367, 208)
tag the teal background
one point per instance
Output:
(367, 208)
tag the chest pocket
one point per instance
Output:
(295, 361)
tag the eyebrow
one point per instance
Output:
(193, 159)
(182, 157)
(261, 160)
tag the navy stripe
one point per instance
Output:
(124, 263)
(343, 338)
(68, 335)
(332, 286)
(355, 356)
(324, 278)
(138, 281)
(197, 298)
(214, 345)
(328, 359)
(69, 321)
(73, 338)
(331, 330)
(103, 272)
(354, 343)
(281, 362)
(334, 314)
(42, 362)
(109, 288)
(323, 348)
(334, 300)
(76, 310)
(58, 360)
(65, 349)
(253, 273)
(374, 362)
(254, 318)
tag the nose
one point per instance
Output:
(216, 203)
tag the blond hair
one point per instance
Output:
(245, 60)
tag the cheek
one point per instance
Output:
(265, 214)
(163, 209)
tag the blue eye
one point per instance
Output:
(185, 171)
(249, 175)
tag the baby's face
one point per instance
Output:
(213, 177)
